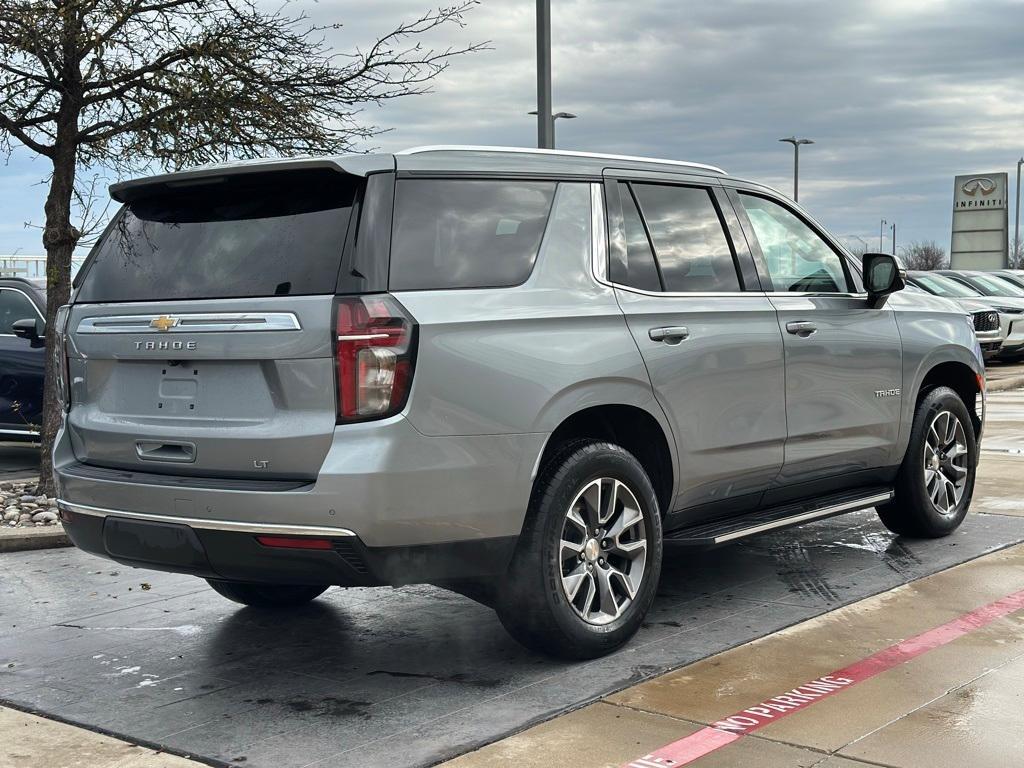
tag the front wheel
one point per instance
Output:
(936, 480)
(276, 596)
(587, 565)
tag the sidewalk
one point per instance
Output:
(31, 742)
(955, 704)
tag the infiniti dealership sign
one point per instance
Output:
(979, 222)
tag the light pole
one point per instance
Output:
(894, 238)
(796, 163)
(556, 116)
(1016, 222)
(545, 121)
(881, 229)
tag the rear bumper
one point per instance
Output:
(215, 550)
(384, 483)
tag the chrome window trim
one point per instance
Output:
(193, 322)
(598, 234)
(31, 303)
(206, 523)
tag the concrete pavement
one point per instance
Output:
(955, 705)
(30, 742)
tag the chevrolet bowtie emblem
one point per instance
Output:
(164, 323)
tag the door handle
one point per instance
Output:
(670, 334)
(801, 328)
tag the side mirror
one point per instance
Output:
(28, 329)
(882, 276)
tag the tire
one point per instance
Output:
(534, 604)
(928, 503)
(274, 596)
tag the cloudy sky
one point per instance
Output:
(900, 95)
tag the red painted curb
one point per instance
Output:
(731, 728)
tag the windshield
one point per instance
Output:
(1005, 284)
(944, 286)
(992, 286)
(269, 235)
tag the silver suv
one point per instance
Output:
(520, 375)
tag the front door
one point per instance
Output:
(843, 358)
(21, 367)
(708, 336)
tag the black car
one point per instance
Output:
(22, 357)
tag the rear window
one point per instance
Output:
(455, 233)
(273, 235)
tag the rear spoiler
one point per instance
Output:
(353, 165)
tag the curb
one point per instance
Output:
(1002, 385)
(33, 538)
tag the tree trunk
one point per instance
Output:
(59, 240)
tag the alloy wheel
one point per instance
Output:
(945, 462)
(603, 550)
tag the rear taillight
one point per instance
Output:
(60, 357)
(375, 354)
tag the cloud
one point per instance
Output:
(899, 95)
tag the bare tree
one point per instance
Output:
(1017, 254)
(132, 84)
(925, 255)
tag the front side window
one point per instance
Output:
(798, 260)
(14, 306)
(689, 240)
(455, 233)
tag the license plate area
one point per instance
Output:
(156, 545)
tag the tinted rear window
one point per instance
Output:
(277, 234)
(454, 233)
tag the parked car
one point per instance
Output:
(1007, 298)
(22, 357)
(517, 374)
(990, 326)
(1015, 276)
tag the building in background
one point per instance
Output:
(20, 265)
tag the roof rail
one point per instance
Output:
(557, 152)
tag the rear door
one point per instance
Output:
(21, 365)
(707, 334)
(843, 358)
(201, 336)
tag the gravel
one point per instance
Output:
(22, 507)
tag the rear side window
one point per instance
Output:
(456, 233)
(275, 234)
(689, 240)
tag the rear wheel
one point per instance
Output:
(276, 596)
(936, 480)
(587, 565)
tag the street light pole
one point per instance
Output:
(881, 229)
(894, 238)
(796, 163)
(1016, 223)
(545, 121)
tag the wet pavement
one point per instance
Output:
(956, 702)
(405, 676)
(18, 461)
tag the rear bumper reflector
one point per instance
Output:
(294, 542)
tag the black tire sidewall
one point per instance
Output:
(929, 520)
